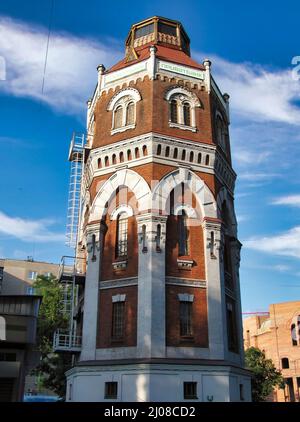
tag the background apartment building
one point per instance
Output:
(278, 335)
(19, 275)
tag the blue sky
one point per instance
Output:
(251, 48)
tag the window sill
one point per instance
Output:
(183, 127)
(185, 264)
(191, 398)
(119, 265)
(122, 129)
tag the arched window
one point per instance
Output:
(207, 160)
(175, 154)
(99, 163)
(183, 234)
(145, 152)
(191, 156)
(129, 154)
(285, 363)
(106, 161)
(122, 235)
(114, 159)
(118, 117)
(121, 156)
(137, 153)
(183, 154)
(167, 151)
(173, 111)
(199, 158)
(130, 114)
(186, 114)
(182, 106)
(158, 152)
(122, 105)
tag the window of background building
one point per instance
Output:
(190, 390)
(32, 275)
(285, 363)
(111, 390)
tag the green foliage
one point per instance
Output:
(265, 375)
(52, 366)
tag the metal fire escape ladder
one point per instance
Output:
(76, 157)
(71, 272)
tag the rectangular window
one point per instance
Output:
(30, 291)
(144, 30)
(118, 320)
(32, 275)
(190, 390)
(242, 398)
(111, 390)
(186, 319)
(167, 29)
(122, 236)
(232, 335)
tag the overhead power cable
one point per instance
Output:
(48, 40)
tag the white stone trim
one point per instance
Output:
(185, 297)
(118, 298)
(191, 213)
(124, 177)
(120, 209)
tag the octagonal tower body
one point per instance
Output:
(162, 313)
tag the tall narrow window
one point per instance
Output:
(294, 335)
(186, 319)
(130, 114)
(122, 235)
(231, 325)
(118, 313)
(187, 114)
(158, 236)
(183, 234)
(118, 117)
(285, 363)
(173, 111)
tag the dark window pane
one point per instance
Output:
(111, 390)
(186, 329)
(187, 114)
(167, 29)
(190, 390)
(144, 30)
(173, 111)
(118, 320)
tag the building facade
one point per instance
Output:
(278, 335)
(18, 321)
(159, 310)
(18, 275)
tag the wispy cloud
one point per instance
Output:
(71, 66)
(255, 177)
(292, 200)
(259, 92)
(286, 243)
(29, 230)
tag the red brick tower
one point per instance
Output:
(162, 314)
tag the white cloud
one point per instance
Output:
(29, 230)
(255, 177)
(258, 92)
(293, 200)
(71, 66)
(286, 243)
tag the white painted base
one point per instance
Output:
(158, 383)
